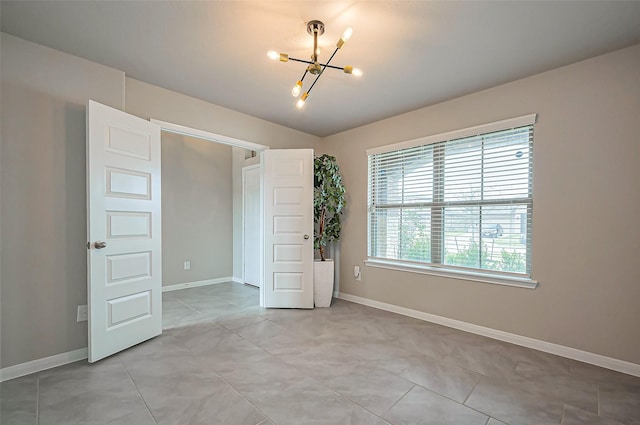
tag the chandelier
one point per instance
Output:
(314, 67)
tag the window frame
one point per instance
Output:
(437, 265)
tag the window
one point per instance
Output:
(461, 201)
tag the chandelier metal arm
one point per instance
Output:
(329, 61)
(314, 83)
(326, 65)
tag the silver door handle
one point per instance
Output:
(99, 245)
(306, 236)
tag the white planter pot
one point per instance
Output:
(322, 283)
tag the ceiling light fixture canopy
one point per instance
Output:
(314, 67)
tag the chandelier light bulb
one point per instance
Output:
(347, 34)
(345, 37)
(353, 71)
(302, 100)
(295, 92)
(275, 56)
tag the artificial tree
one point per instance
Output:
(328, 202)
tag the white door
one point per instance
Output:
(251, 225)
(124, 230)
(288, 228)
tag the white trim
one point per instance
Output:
(44, 363)
(548, 347)
(237, 280)
(213, 137)
(245, 169)
(457, 134)
(497, 279)
(197, 283)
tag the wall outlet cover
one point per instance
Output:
(187, 265)
(83, 313)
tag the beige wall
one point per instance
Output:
(586, 234)
(43, 270)
(196, 209)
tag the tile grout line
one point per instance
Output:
(564, 411)
(598, 398)
(470, 392)
(38, 399)
(455, 401)
(187, 305)
(245, 399)
(400, 399)
(126, 369)
(231, 386)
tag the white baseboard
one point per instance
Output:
(62, 359)
(39, 365)
(536, 344)
(237, 280)
(197, 283)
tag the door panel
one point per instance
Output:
(123, 204)
(288, 207)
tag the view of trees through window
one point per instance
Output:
(462, 203)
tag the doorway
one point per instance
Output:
(236, 155)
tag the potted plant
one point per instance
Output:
(328, 204)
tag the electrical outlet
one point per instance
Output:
(187, 265)
(357, 273)
(83, 313)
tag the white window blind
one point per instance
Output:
(463, 203)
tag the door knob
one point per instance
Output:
(306, 236)
(99, 245)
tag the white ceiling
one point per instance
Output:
(413, 53)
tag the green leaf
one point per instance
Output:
(328, 199)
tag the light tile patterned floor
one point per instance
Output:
(224, 360)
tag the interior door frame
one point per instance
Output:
(245, 169)
(231, 141)
(207, 135)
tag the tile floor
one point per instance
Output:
(224, 360)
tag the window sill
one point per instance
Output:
(497, 279)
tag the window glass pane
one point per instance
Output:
(389, 189)
(385, 233)
(500, 244)
(405, 178)
(415, 242)
(506, 165)
(463, 170)
(418, 177)
(462, 236)
(504, 240)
